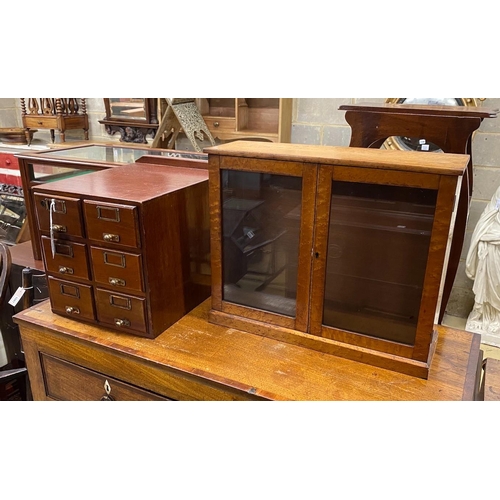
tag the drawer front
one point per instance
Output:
(126, 312)
(117, 269)
(71, 299)
(8, 161)
(39, 121)
(70, 259)
(217, 123)
(66, 381)
(112, 223)
(66, 217)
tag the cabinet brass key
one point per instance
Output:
(72, 310)
(122, 322)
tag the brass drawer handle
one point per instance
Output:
(110, 237)
(58, 228)
(65, 270)
(116, 282)
(72, 310)
(121, 322)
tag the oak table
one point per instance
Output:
(448, 127)
(196, 360)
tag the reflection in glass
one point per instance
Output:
(130, 108)
(377, 254)
(260, 225)
(116, 154)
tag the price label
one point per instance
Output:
(17, 296)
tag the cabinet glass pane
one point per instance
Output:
(127, 108)
(261, 225)
(377, 254)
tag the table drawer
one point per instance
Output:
(66, 216)
(112, 223)
(66, 381)
(71, 299)
(126, 312)
(117, 269)
(40, 121)
(70, 259)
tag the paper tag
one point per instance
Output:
(425, 147)
(17, 296)
(422, 141)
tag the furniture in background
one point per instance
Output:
(263, 119)
(13, 213)
(450, 128)
(368, 239)
(48, 166)
(16, 272)
(124, 247)
(182, 114)
(134, 118)
(59, 113)
(197, 360)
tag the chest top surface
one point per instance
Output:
(411, 161)
(135, 182)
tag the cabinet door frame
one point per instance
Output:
(308, 173)
(446, 187)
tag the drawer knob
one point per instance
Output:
(65, 270)
(122, 322)
(110, 237)
(116, 282)
(7, 162)
(216, 124)
(72, 310)
(58, 228)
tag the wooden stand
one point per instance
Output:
(448, 127)
(55, 114)
(182, 114)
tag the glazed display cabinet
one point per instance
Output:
(341, 250)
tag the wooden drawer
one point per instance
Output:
(39, 121)
(71, 299)
(70, 259)
(66, 381)
(117, 269)
(8, 161)
(66, 217)
(218, 123)
(122, 311)
(112, 223)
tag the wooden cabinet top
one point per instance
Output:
(135, 182)
(412, 161)
(420, 109)
(268, 368)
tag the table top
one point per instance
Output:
(420, 109)
(275, 370)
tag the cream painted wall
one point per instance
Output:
(318, 121)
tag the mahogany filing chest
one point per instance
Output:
(127, 248)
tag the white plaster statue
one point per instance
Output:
(483, 266)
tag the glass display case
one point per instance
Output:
(341, 250)
(57, 164)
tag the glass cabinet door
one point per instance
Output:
(378, 245)
(261, 215)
